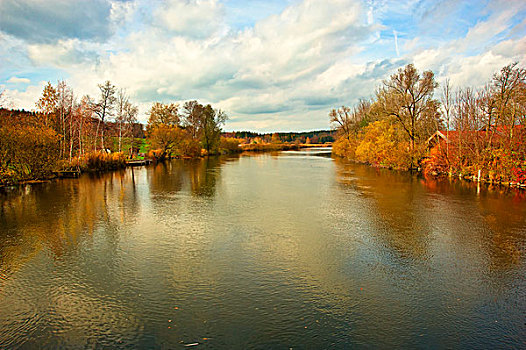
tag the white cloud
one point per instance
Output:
(17, 80)
(67, 54)
(476, 70)
(193, 18)
(25, 99)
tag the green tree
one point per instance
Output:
(211, 122)
(192, 118)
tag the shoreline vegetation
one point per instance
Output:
(67, 136)
(470, 134)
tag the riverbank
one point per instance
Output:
(479, 179)
(468, 177)
(100, 162)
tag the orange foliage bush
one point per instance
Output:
(385, 145)
(344, 147)
(172, 141)
(27, 152)
(229, 145)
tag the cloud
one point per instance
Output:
(250, 72)
(64, 53)
(192, 18)
(46, 21)
(24, 99)
(396, 43)
(281, 70)
(16, 80)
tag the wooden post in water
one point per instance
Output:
(478, 179)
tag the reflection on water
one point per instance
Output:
(281, 250)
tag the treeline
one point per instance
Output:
(67, 133)
(465, 131)
(313, 137)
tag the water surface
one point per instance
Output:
(285, 250)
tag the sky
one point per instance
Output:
(270, 65)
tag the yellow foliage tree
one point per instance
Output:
(384, 144)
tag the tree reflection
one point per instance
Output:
(503, 214)
(506, 220)
(199, 176)
(412, 212)
(396, 206)
(59, 215)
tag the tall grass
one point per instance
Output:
(95, 161)
(101, 161)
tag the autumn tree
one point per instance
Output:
(161, 113)
(28, 149)
(56, 106)
(166, 134)
(47, 103)
(408, 97)
(383, 144)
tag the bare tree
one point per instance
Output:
(446, 104)
(105, 106)
(126, 115)
(342, 118)
(64, 109)
(509, 86)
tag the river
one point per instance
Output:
(269, 251)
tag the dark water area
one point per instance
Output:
(270, 251)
